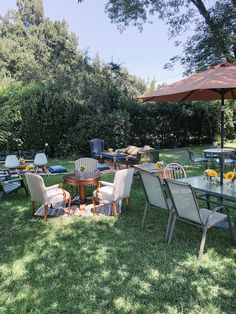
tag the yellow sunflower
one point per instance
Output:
(212, 173)
(230, 175)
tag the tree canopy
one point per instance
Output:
(213, 25)
(52, 92)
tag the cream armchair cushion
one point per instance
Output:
(45, 195)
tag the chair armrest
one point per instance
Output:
(216, 209)
(106, 183)
(48, 188)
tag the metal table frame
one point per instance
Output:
(221, 193)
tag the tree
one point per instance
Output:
(213, 24)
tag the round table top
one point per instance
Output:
(74, 178)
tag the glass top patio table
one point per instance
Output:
(200, 183)
(218, 151)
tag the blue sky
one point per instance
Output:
(143, 54)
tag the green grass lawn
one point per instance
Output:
(107, 265)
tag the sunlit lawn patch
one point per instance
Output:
(104, 265)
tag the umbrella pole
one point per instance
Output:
(222, 138)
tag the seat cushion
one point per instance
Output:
(200, 159)
(216, 217)
(105, 192)
(56, 195)
(102, 167)
(57, 169)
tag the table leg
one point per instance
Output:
(82, 193)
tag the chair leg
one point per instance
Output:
(202, 245)
(114, 205)
(128, 203)
(33, 208)
(172, 229)
(69, 203)
(94, 204)
(144, 214)
(45, 212)
(168, 225)
(230, 226)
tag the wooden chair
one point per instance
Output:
(90, 165)
(174, 171)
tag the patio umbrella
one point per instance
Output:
(218, 82)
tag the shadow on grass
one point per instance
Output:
(104, 265)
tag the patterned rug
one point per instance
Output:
(61, 209)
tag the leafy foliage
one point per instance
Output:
(51, 92)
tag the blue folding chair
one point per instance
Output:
(10, 183)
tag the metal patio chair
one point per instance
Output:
(155, 197)
(186, 208)
(197, 160)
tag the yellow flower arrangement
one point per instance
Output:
(230, 175)
(110, 149)
(145, 159)
(210, 173)
(21, 160)
(159, 165)
(27, 168)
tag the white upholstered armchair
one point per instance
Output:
(116, 191)
(45, 195)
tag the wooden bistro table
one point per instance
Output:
(77, 180)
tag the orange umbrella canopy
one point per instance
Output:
(207, 85)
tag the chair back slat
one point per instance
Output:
(153, 190)
(90, 164)
(174, 171)
(184, 200)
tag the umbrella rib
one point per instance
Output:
(189, 94)
(148, 99)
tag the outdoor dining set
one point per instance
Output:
(166, 187)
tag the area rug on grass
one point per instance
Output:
(61, 209)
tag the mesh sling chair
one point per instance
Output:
(50, 195)
(116, 191)
(174, 171)
(10, 183)
(197, 160)
(155, 197)
(186, 208)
